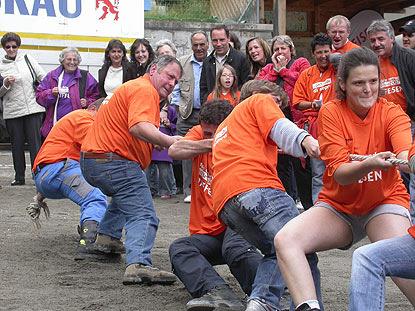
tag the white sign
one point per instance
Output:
(102, 18)
(360, 22)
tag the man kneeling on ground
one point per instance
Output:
(210, 243)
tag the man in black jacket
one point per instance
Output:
(222, 54)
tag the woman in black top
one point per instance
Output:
(142, 54)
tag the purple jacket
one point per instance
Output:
(163, 155)
(45, 98)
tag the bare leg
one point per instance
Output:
(303, 235)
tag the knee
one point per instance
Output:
(179, 248)
(284, 240)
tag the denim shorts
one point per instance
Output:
(358, 224)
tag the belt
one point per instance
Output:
(109, 156)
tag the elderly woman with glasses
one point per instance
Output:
(65, 89)
(22, 115)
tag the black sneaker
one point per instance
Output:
(306, 307)
(218, 297)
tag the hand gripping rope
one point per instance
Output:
(394, 161)
(34, 209)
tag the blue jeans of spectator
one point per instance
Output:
(258, 215)
(317, 171)
(372, 263)
(192, 259)
(64, 180)
(126, 183)
(160, 178)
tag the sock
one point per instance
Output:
(312, 304)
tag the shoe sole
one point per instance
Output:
(145, 281)
(220, 307)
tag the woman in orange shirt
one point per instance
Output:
(358, 198)
(226, 86)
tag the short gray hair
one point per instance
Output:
(164, 42)
(284, 39)
(70, 49)
(164, 61)
(381, 25)
(337, 19)
(199, 32)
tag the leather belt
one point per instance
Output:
(109, 156)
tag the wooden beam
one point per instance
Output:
(279, 17)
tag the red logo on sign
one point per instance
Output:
(108, 6)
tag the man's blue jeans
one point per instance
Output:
(258, 215)
(64, 180)
(126, 183)
(371, 263)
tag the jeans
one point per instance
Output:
(126, 183)
(192, 259)
(187, 176)
(317, 171)
(160, 178)
(371, 263)
(64, 180)
(258, 215)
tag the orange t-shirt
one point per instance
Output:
(244, 158)
(228, 97)
(346, 48)
(312, 84)
(133, 102)
(411, 231)
(202, 220)
(342, 132)
(390, 83)
(65, 139)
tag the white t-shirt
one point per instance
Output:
(113, 79)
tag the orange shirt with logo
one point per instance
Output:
(65, 139)
(133, 102)
(312, 84)
(244, 157)
(385, 128)
(390, 83)
(346, 48)
(228, 97)
(203, 219)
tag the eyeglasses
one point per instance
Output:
(8, 47)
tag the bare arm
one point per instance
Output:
(307, 105)
(352, 172)
(187, 149)
(149, 133)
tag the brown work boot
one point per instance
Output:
(140, 274)
(108, 245)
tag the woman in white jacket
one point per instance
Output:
(22, 114)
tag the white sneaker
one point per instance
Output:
(187, 199)
(299, 205)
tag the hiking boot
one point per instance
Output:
(108, 245)
(140, 274)
(87, 233)
(218, 297)
(256, 305)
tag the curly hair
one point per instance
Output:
(214, 111)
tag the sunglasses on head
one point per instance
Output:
(8, 47)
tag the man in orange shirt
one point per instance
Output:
(314, 88)
(211, 242)
(397, 70)
(248, 196)
(339, 28)
(115, 152)
(58, 173)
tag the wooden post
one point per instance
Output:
(261, 11)
(279, 17)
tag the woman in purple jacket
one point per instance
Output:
(65, 89)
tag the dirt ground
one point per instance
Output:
(38, 272)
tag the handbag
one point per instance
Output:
(35, 82)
